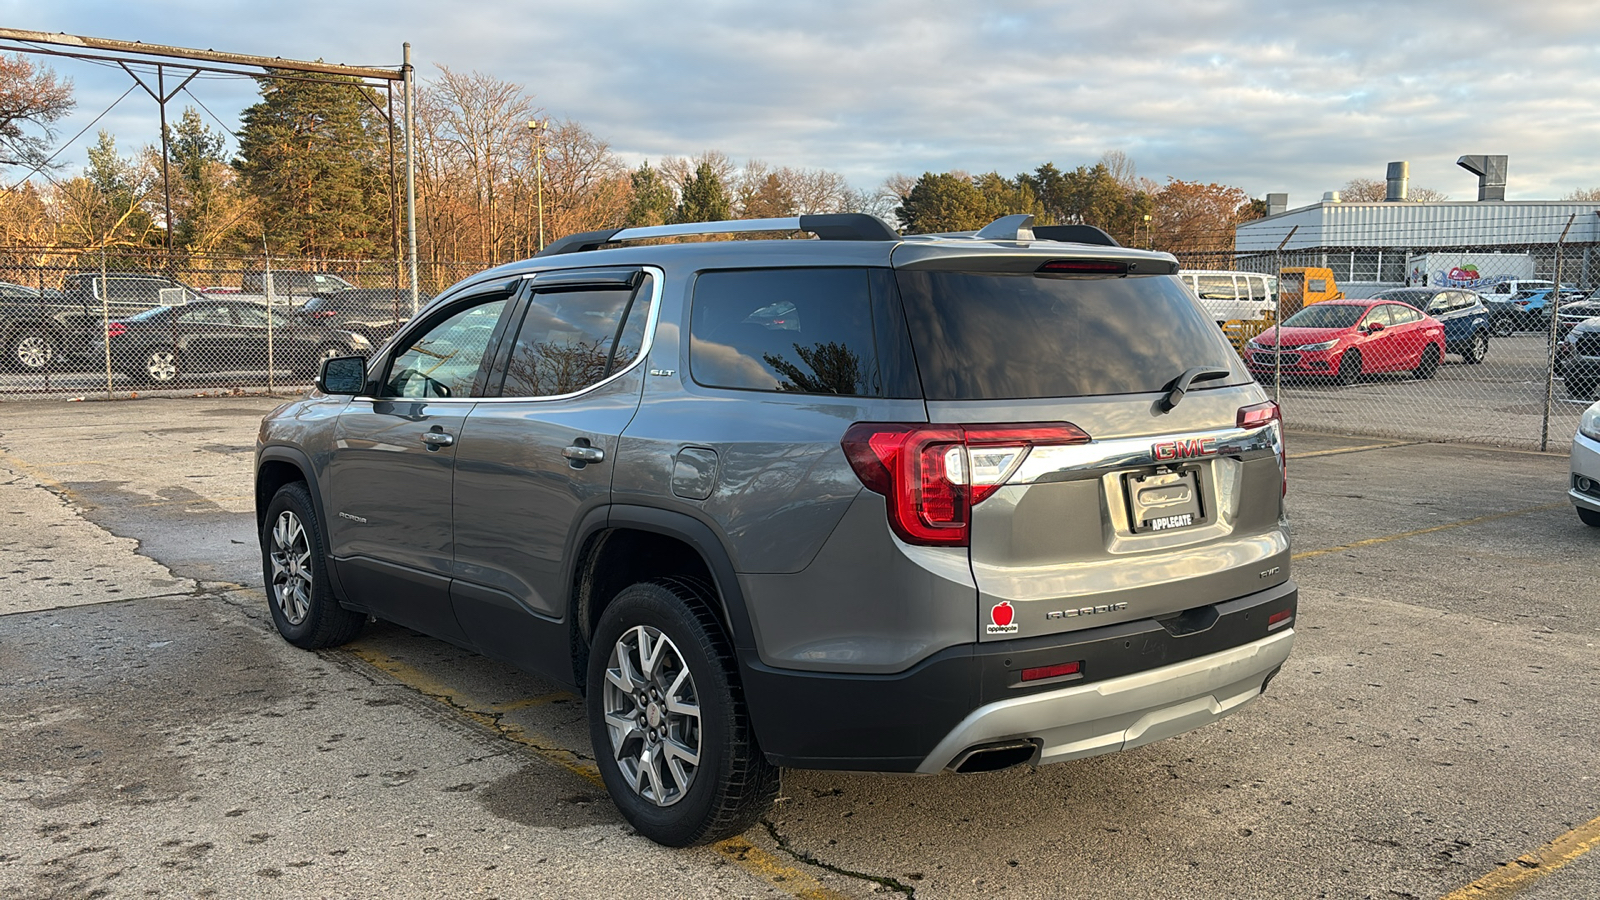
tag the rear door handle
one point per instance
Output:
(437, 439)
(584, 454)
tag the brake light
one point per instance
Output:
(1083, 267)
(1278, 618)
(323, 314)
(1071, 668)
(116, 329)
(1264, 414)
(932, 475)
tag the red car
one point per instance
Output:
(1347, 339)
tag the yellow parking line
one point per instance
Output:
(1523, 871)
(736, 850)
(1339, 450)
(1445, 527)
(27, 468)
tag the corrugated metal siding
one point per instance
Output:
(1421, 225)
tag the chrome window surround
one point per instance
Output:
(657, 276)
(1073, 461)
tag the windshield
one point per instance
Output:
(988, 336)
(1325, 315)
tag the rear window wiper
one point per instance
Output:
(1180, 385)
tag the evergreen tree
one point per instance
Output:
(313, 154)
(705, 198)
(947, 202)
(652, 197)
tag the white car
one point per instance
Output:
(1585, 490)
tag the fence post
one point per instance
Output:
(1553, 306)
(266, 269)
(105, 318)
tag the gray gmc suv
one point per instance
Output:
(943, 503)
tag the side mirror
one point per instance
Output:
(345, 375)
(1374, 327)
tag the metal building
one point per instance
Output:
(1367, 244)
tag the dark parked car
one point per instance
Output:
(1578, 358)
(1574, 312)
(374, 313)
(1462, 312)
(292, 284)
(1527, 311)
(221, 336)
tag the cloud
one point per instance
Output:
(1263, 95)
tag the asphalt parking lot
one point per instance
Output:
(1436, 722)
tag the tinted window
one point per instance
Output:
(256, 316)
(570, 340)
(1419, 299)
(806, 331)
(205, 315)
(991, 336)
(1401, 315)
(1378, 315)
(444, 360)
(1325, 315)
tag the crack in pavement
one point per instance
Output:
(810, 859)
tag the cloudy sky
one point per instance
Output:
(1267, 96)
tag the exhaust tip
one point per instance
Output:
(994, 757)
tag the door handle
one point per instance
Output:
(437, 439)
(584, 454)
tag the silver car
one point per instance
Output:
(1585, 489)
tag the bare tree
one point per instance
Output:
(1592, 195)
(477, 120)
(1371, 190)
(30, 97)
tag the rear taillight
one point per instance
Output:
(116, 329)
(933, 475)
(323, 314)
(1264, 414)
(1279, 618)
(1056, 671)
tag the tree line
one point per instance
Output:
(311, 178)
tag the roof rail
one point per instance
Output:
(828, 227)
(1074, 234)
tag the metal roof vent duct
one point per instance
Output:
(1277, 203)
(1491, 172)
(1399, 174)
(1330, 197)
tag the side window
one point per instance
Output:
(444, 360)
(573, 339)
(256, 316)
(205, 315)
(1216, 287)
(1378, 314)
(806, 331)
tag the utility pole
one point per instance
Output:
(411, 171)
(539, 127)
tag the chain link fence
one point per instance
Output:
(1517, 365)
(120, 323)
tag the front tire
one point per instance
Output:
(1478, 349)
(295, 572)
(1349, 367)
(667, 718)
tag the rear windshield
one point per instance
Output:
(1325, 315)
(986, 336)
(1419, 299)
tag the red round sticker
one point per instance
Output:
(1001, 614)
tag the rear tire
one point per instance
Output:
(1349, 367)
(1502, 327)
(1428, 365)
(667, 718)
(32, 349)
(157, 365)
(295, 573)
(1478, 348)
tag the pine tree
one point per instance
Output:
(652, 197)
(705, 198)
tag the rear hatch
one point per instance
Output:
(1096, 492)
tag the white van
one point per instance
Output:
(1232, 295)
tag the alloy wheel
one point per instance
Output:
(33, 351)
(291, 567)
(162, 365)
(652, 713)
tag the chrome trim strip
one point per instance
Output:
(734, 226)
(657, 278)
(1073, 460)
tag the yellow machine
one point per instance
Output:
(1298, 287)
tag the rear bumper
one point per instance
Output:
(1139, 681)
(1090, 719)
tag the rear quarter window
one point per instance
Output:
(807, 331)
(988, 336)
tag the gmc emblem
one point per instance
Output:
(1194, 448)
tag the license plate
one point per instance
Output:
(1164, 501)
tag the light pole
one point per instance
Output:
(539, 127)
